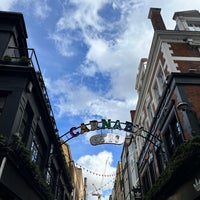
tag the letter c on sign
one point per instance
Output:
(72, 133)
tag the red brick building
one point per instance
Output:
(168, 85)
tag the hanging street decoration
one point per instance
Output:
(94, 173)
(100, 125)
(110, 138)
(100, 174)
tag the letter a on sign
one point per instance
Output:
(84, 128)
(117, 125)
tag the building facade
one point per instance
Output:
(32, 164)
(168, 110)
(126, 169)
(117, 192)
(76, 174)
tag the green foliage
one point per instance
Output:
(178, 170)
(7, 58)
(23, 160)
(25, 60)
(25, 157)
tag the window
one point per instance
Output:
(151, 168)
(161, 80)
(60, 191)
(152, 172)
(53, 177)
(173, 135)
(3, 97)
(48, 176)
(156, 92)
(38, 151)
(169, 142)
(35, 149)
(176, 128)
(145, 182)
(159, 159)
(194, 27)
(26, 124)
(149, 111)
(159, 84)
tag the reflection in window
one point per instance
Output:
(194, 27)
(35, 149)
(156, 92)
(48, 176)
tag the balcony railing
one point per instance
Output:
(30, 60)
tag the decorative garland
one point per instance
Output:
(94, 173)
(98, 174)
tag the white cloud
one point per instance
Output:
(95, 166)
(62, 45)
(117, 57)
(76, 99)
(7, 5)
(85, 14)
(40, 9)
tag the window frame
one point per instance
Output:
(3, 98)
(168, 133)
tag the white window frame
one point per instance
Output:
(158, 84)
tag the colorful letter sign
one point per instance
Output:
(103, 124)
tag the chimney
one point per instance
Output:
(132, 112)
(156, 19)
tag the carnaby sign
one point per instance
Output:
(103, 124)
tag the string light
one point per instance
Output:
(94, 173)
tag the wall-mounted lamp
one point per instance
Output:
(29, 87)
(183, 106)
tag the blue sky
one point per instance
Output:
(89, 52)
